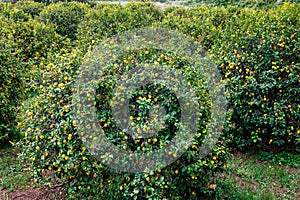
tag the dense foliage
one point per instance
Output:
(260, 4)
(259, 55)
(43, 46)
(10, 90)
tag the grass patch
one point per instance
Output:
(281, 158)
(250, 178)
(13, 173)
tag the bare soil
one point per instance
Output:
(34, 194)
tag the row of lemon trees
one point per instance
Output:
(42, 47)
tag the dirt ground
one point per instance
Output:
(33, 194)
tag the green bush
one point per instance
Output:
(107, 19)
(4, 7)
(35, 39)
(202, 23)
(259, 56)
(28, 42)
(142, 14)
(10, 90)
(257, 52)
(51, 135)
(52, 141)
(66, 17)
(234, 36)
(101, 5)
(260, 4)
(16, 14)
(30, 7)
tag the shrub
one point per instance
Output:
(10, 90)
(142, 14)
(30, 7)
(52, 141)
(66, 17)
(101, 5)
(257, 52)
(259, 56)
(4, 7)
(107, 19)
(260, 4)
(28, 42)
(32, 38)
(16, 14)
(235, 36)
(51, 135)
(202, 23)
(35, 39)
